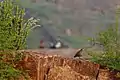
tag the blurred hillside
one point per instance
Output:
(72, 20)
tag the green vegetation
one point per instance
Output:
(110, 41)
(14, 30)
(8, 65)
(13, 27)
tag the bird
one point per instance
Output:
(41, 44)
(56, 46)
(78, 53)
(52, 46)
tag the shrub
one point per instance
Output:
(110, 41)
(13, 27)
(8, 65)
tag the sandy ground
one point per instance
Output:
(69, 52)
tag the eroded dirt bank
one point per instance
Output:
(54, 67)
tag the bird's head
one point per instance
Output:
(81, 49)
